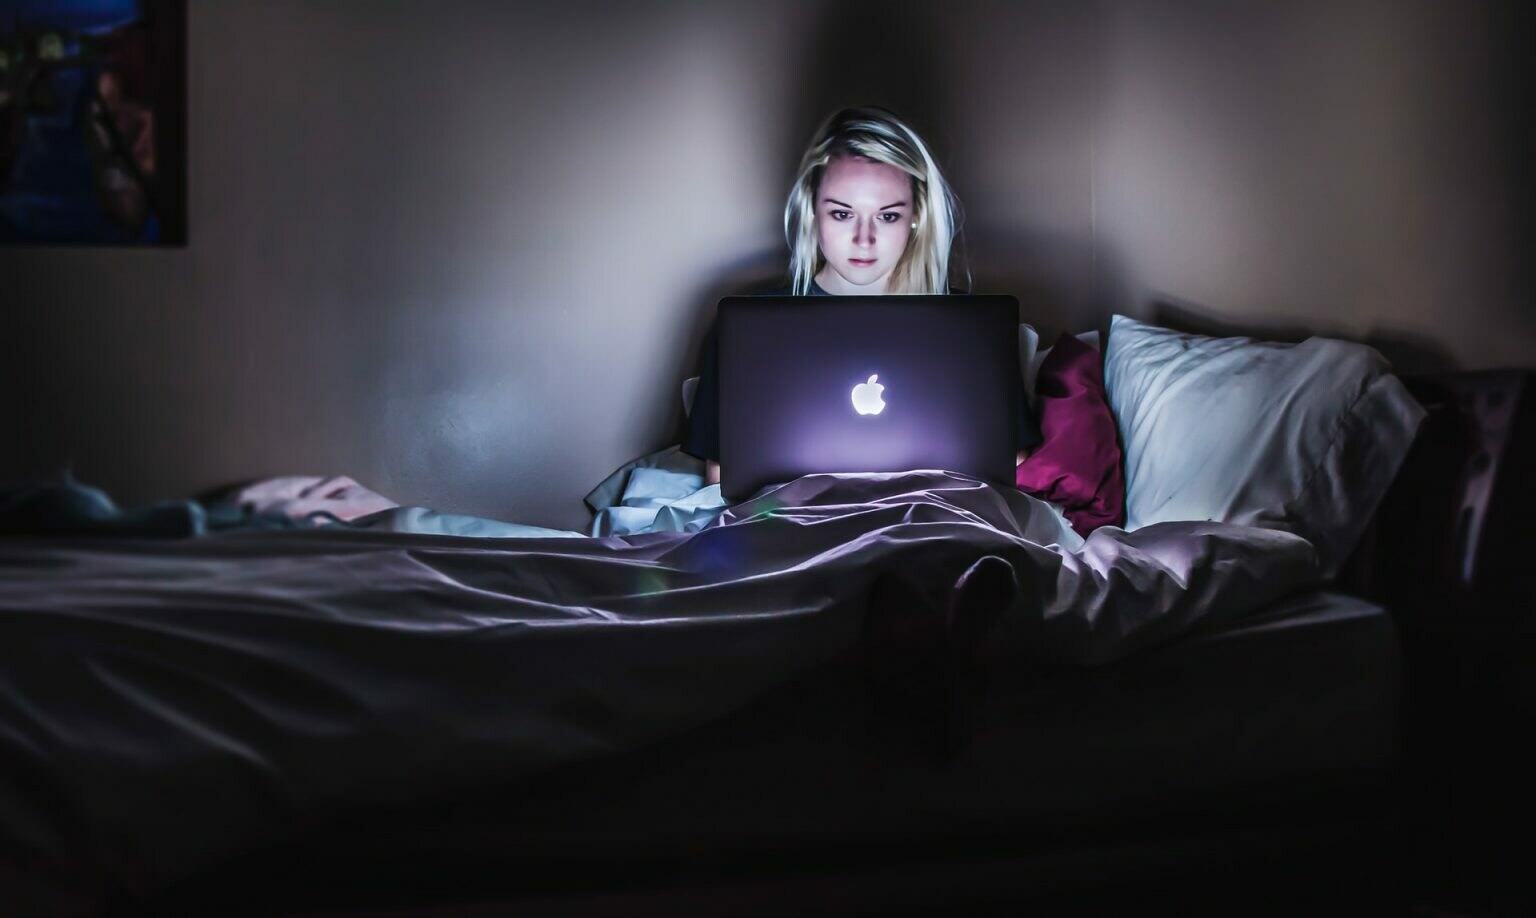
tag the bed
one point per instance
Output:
(799, 803)
(683, 720)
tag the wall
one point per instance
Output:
(458, 251)
(464, 251)
(1359, 169)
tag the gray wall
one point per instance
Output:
(1358, 169)
(464, 251)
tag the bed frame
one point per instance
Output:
(1449, 553)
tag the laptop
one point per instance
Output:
(866, 384)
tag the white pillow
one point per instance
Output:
(1301, 437)
(1030, 359)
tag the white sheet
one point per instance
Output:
(165, 703)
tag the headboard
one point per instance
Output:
(1454, 534)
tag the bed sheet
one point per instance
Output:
(165, 705)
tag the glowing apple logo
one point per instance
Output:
(866, 396)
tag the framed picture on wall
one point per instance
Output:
(93, 144)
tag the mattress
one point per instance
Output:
(1309, 688)
(1296, 709)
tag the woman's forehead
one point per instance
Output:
(850, 177)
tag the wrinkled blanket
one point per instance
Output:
(167, 704)
(663, 491)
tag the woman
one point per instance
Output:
(869, 213)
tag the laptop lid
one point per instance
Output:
(866, 384)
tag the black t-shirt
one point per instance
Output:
(701, 438)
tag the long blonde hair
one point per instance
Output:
(875, 133)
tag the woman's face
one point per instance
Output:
(863, 218)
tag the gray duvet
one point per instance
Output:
(164, 705)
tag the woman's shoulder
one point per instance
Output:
(782, 288)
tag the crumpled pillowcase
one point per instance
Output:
(1304, 438)
(1077, 465)
(1032, 356)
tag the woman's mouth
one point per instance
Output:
(861, 262)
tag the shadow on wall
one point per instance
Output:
(1407, 352)
(759, 272)
(1064, 282)
(862, 54)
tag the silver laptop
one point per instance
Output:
(866, 384)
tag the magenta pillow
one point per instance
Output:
(1077, 466)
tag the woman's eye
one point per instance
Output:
(843, 215)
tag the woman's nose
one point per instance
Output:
(864, 232)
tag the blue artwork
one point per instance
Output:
(93, 122)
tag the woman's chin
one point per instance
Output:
(870, 277)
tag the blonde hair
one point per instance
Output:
(877, 134)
